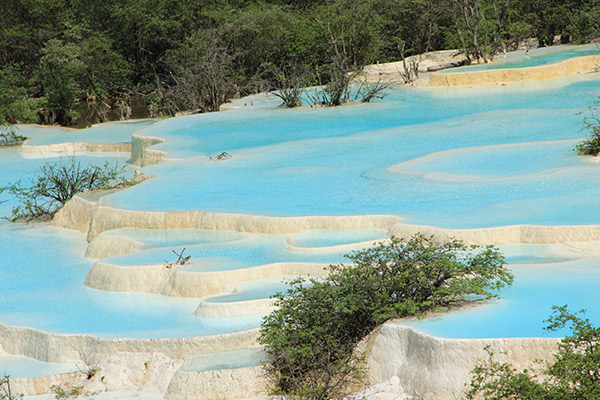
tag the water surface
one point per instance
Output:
(458, 158)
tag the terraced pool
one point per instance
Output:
(453, 158)
(533, 57)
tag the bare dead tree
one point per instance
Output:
(432, 12)
(337, 90)
(102, 111)
(220, 157)
(472, 17)
(471, 21)
(288, 81)
(6, 390)
(500, 14)
(125, 110)
(201, 76)
(8, 136)
(411, 70)
(461, 36)
(181, 260)
(368, 91)
(290, 96)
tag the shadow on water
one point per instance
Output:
(94, 112)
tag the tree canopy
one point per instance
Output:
(312, 334)
(64, 53)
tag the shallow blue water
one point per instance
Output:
(250, 251)
(323, 237)
(42, 270)
(331, 173)
(24, 367)
(254, 290)
(225, 360)
(153, 238)
(522, 309)
(458, 157)
(42, 273)
(533, 58)
(107, 133)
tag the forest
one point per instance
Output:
(75, 62)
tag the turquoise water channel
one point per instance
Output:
(453, 157)
(533, 57)
(24, 367)
(479, 159)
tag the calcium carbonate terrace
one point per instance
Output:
(461, 147)
(533, 57)
(303, 187)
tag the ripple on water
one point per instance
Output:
(332, 162)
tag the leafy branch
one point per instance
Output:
(574, 374)
(312, 335)
(6, 390)
(56, 183)
(8, 137)
(591, 123)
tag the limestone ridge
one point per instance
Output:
(577, 65)
(436, 368)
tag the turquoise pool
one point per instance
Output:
(24, 367)
(533, 57)
(513, 145)
(226, 360)
(254, 290)
(522, 309)
(457, 158)
(107, 133)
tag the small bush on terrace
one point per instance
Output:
(6, 392)
(574, 374)
(56, 183)
(311, 336)
(8, 137)
(591, 123)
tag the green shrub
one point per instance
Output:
(70, 391)
(311, 336)
(56, 183)
(8, 136)
(6, 392)
(591, 124)
(574, 375)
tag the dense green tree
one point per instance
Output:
(18, 43)
(60, 66)
(351, 27)
(106, 71)
(551, 18)
(145, 29)
(584, 25)
(414, 22)
(14, 104)
(250, 28)
(72, 50)
(311, 336)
